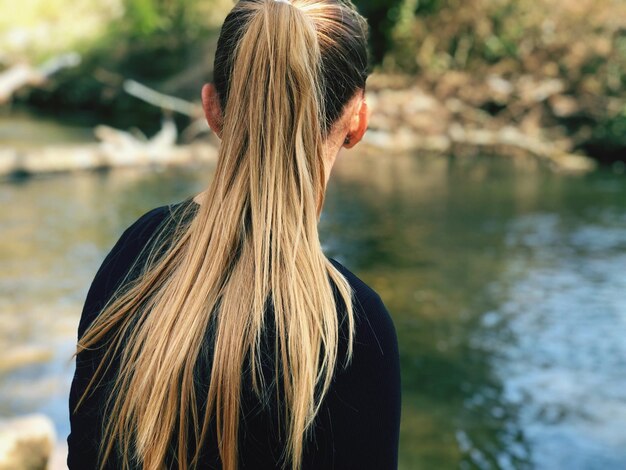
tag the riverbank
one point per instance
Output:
(449, 117)
(407, 115)
(21, 163)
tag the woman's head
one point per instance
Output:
(304, 50)
(339, 30)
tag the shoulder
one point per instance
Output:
(139, 232)
(363, 406)
(362, 292)
(145, 226)
(375, 332)
(366, 300)
(133, 239)
(142, 227)
(119, 263)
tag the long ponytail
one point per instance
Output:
(248, 261)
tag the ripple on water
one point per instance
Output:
(565, 367)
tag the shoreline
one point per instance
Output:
(427, 115)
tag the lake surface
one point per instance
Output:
(506, 286)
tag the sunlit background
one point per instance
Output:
(487, 206)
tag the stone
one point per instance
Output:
(58, 459)
(26, 442)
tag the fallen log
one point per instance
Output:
(123, 146)
(171, 103)
(21, 75)
(161, 100)
(89, 157)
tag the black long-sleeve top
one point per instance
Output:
(356, 428)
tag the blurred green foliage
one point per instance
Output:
(153, 42)
(146, 18)
(581, 43)
(169, 44)
(442, 34)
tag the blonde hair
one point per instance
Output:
(248, 260)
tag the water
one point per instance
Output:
(22, 129)
(505, 284)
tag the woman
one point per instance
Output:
(216, 334)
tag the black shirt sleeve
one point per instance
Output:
(84, 438)
(372, 418)
(362, 411)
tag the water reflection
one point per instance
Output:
(438, 241)
(457, 256)
(567, 363)
(504, 284)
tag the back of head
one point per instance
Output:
(284, 72)
(337, 35)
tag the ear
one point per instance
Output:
(212, 108)
(358, 124)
